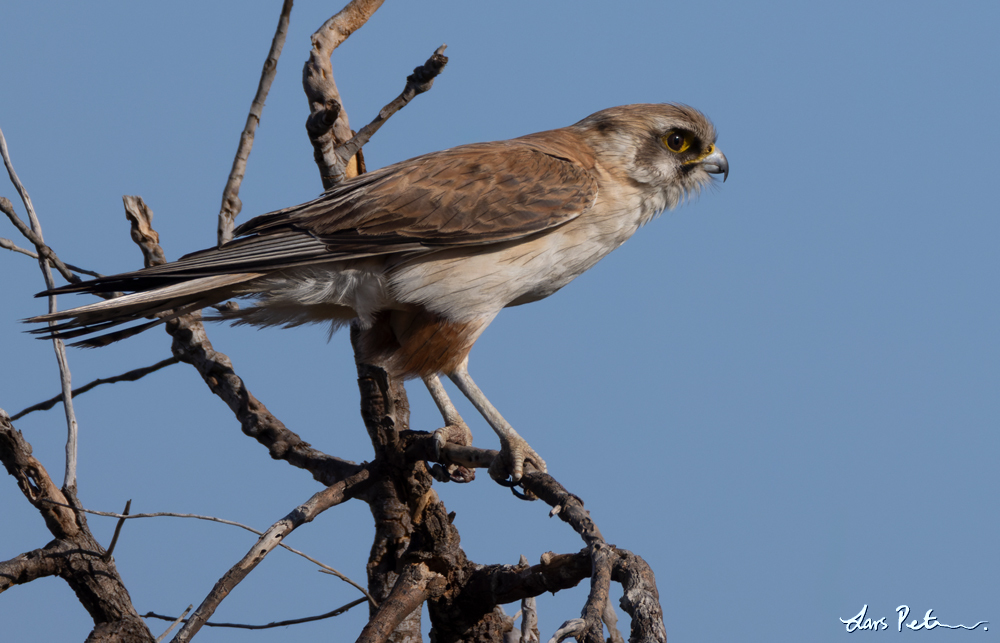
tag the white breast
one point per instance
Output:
(467, 283)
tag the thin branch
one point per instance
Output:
(10, 245)
(295, 621)
(65, 378)
(304, 513)
(177, 621)
(421, 80)
(231, 204)
(118, 530)
(130, 376)
(65, 269)
(333, 572)
(7, 244)
(168, 514)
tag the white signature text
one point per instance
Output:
(861, 621)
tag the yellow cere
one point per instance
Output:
(702, 156)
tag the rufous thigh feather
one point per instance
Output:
(417, 343)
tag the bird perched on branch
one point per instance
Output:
(421, 255)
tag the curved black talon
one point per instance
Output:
(522, 496)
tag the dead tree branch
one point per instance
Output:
(168, 514)
(75, 555)
(39, 563)
(231, 204)
(177, 621)
(118, 531)
(140, 217)
(418, 82)
(65, 378)
(413, 586)
(130, 376)
(327, 124)
(7, 244)
(192, 346)
(641, 600)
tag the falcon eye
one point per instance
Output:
(677, 141)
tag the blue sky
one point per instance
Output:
(783, 395)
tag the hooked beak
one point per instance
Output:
(716, 163)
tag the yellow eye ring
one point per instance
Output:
(677, 141)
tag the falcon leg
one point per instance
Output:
(455, 430)
(454, 425)
(514, 450)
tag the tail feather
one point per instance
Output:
(125, 333)
(181, 298)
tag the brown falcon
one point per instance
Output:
(423, 254)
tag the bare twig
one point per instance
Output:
(231, 204)
(295, 621)
(65, 269)
(327, 124)
(130, 376)
(333, 572)
(304, 513)
(168, 514)
(418, 82)
(118, 530)
(177, 621)
(65, 378)
(7, 244)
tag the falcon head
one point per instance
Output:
(669, 149)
